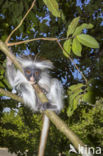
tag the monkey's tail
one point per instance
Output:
(44, 135)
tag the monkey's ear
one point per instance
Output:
(45, 64)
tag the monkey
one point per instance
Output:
(35, 72)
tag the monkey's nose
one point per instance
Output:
(32, 79)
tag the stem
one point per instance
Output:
(31, 40)
(72, 62)
(7, 40)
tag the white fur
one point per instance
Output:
(41, 65)
(56, 94)
(19, 79)
(45, 81)
(54, 89)
(52, 86)
(44, 64)
(29, 96)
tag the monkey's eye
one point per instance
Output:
(28, 71)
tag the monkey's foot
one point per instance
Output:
(48, 105)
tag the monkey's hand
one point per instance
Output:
(48, 105)
(32, 82)
(9, 62)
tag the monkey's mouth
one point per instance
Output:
(33, 83)
(32, 79)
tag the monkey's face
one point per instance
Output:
(32, 74)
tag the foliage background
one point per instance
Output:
(19, 127)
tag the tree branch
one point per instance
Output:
(7, 40)
(64, 129)
(31, 40)
(7, 52)
(11, 95)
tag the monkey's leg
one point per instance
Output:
(55, 95)
(46, 105)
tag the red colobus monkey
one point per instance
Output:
(36, 72)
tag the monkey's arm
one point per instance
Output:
(56, 94)
(18, 81)
(15, 77)
(11, 72)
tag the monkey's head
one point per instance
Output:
(34, 68)
(32, 74)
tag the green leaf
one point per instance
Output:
(76, 87)
(88, 41)
(88, 97)
(2, 85)
(73, 104)
(72, 26)
(67, 45)
(81, 27)
(75, 94)
(76, 47)
(53, 7)
(65, 54)
(6, 83)
(4, 37)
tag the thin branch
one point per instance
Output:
(72, 62)
(11, 95)
(7, 52)
(35, 39)
(7, 40)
